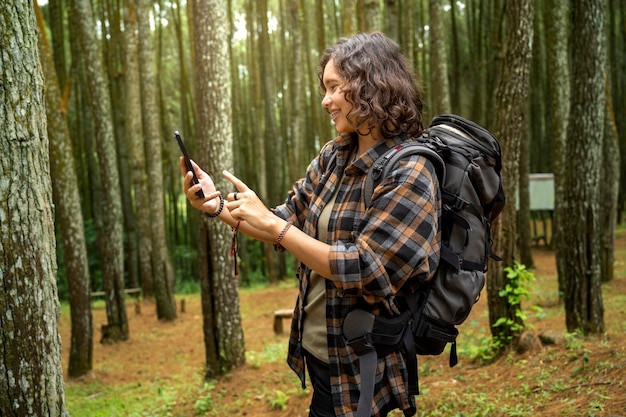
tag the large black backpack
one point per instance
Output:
(468, 162)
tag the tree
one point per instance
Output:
(579, 248)
(556, 12)
(135, 144)
(110, 235)
(163, 275)
(68, 215)
(223, 335)
(368, 14)
(30, 348)
(609, 191)
(510, 127)
(272, 194)
(440, 92)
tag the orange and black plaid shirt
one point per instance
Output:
(374, 254)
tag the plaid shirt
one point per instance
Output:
(374, 253)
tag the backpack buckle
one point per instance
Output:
(362, 345)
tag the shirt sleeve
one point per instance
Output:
(397, 237)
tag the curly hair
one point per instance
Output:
(379, 83)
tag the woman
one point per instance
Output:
(351, 257)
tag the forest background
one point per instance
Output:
(238, 80)
(278, 124)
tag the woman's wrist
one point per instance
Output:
(283, 232)
(219, 208)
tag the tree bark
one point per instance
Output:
(556, 14)
(368, 12)
(68, 215)
(610, 190)
(134, 138)
(223, 335)
(271, 143)
(30, 347)
(580, 247)
(110, 235)
(510, 127)
(440, 91)
(162, 272)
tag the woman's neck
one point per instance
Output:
(365, 142)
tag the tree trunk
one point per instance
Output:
(223, 335)
(455, 80)
(69, 215)
(58, 39)
(510, 128)
(30, 347)
(163, 274)
(556, 14)
(440, 92)
(580, 246)
(113, 45)
(134, 139)
(110, 239)
(271, 143)
(609, 191)
(368, 12)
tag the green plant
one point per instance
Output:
(204, 404)
(279, 402)
(516, 289)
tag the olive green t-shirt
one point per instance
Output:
(314, 335)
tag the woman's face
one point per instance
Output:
(334, 100)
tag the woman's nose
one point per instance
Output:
(326, 100)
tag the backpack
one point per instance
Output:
(468, 162)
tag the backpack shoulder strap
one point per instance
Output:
(381, 167)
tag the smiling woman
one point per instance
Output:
(346, 260)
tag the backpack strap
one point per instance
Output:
(371, 336)
(357, 328)
(381, 167)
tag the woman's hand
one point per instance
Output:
(245, 205)
(210, 203)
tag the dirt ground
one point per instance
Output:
(159, 350)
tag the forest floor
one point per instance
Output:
(158, 371)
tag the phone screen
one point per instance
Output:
(181, 145)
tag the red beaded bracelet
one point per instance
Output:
(283, 232)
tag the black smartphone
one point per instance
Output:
(181, 145)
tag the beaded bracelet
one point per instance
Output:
(283, 232)
(219, 210)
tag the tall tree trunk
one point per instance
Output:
(580, 247)
(162, 272)
(556, 13)
(114, 57)
(440, 91)
(271, 137)
(134, 139)
(223, 335)
(609, 190)
(110, 239)
(68, 214)
(349, 21)
(510, 127)
(58, 39)
(30, 347)
(368, 12)
(455, 80)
